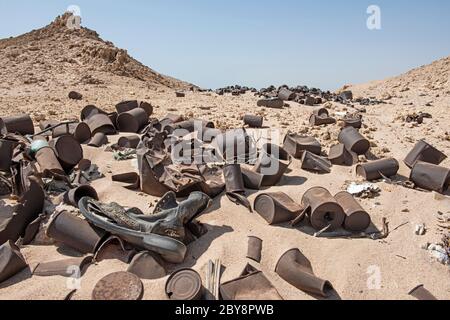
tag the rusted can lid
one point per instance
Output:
(118, 286)
(184, 284)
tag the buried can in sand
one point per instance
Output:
(118, 286)
(11, 261)
(251, 285)
(61, 267)
(340, 156)
(315, 163)
(147, 265)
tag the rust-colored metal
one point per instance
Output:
(192, 125)
(114, 248)
(324, 209)
(296, 269)
(119, 286)
(234, 183)
(430, 177)
(126, 106)
(272, 164)
(421, 293)
(100, 122)
(377, 169)
(357, 219)
(6, 154)
(253, 121)
(73, 196)
(274, 103)
(80, 131)
(315, 163)
(14, 224)
(11, 261)
(131, 142)
(252, 180)
(251, 285)
(89, 111)
(62, 268)
(68, 151)
(286, 94)
(234, 146)
(147, 265)
(276, 207)
(340, 156)
(316, 120)
(75, 232)
(131, 179)
(355, 122)
(21, 124)
(149, 181)
(32, 230)
(354, 141)
(295, 145)
(321, 112)
(254, 248)
(44, 125)
(133, 120)
(98, 140)
(185, 285)
(233, 178)
(48, 163)
(424, 152)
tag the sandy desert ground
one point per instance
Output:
(31, 84)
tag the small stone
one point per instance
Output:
(75, 95)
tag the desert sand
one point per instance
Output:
(39, 69)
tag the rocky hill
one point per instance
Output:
(56, 53)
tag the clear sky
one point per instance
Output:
(213, 43)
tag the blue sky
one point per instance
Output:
(213, 43)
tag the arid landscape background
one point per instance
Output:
(38, 69)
